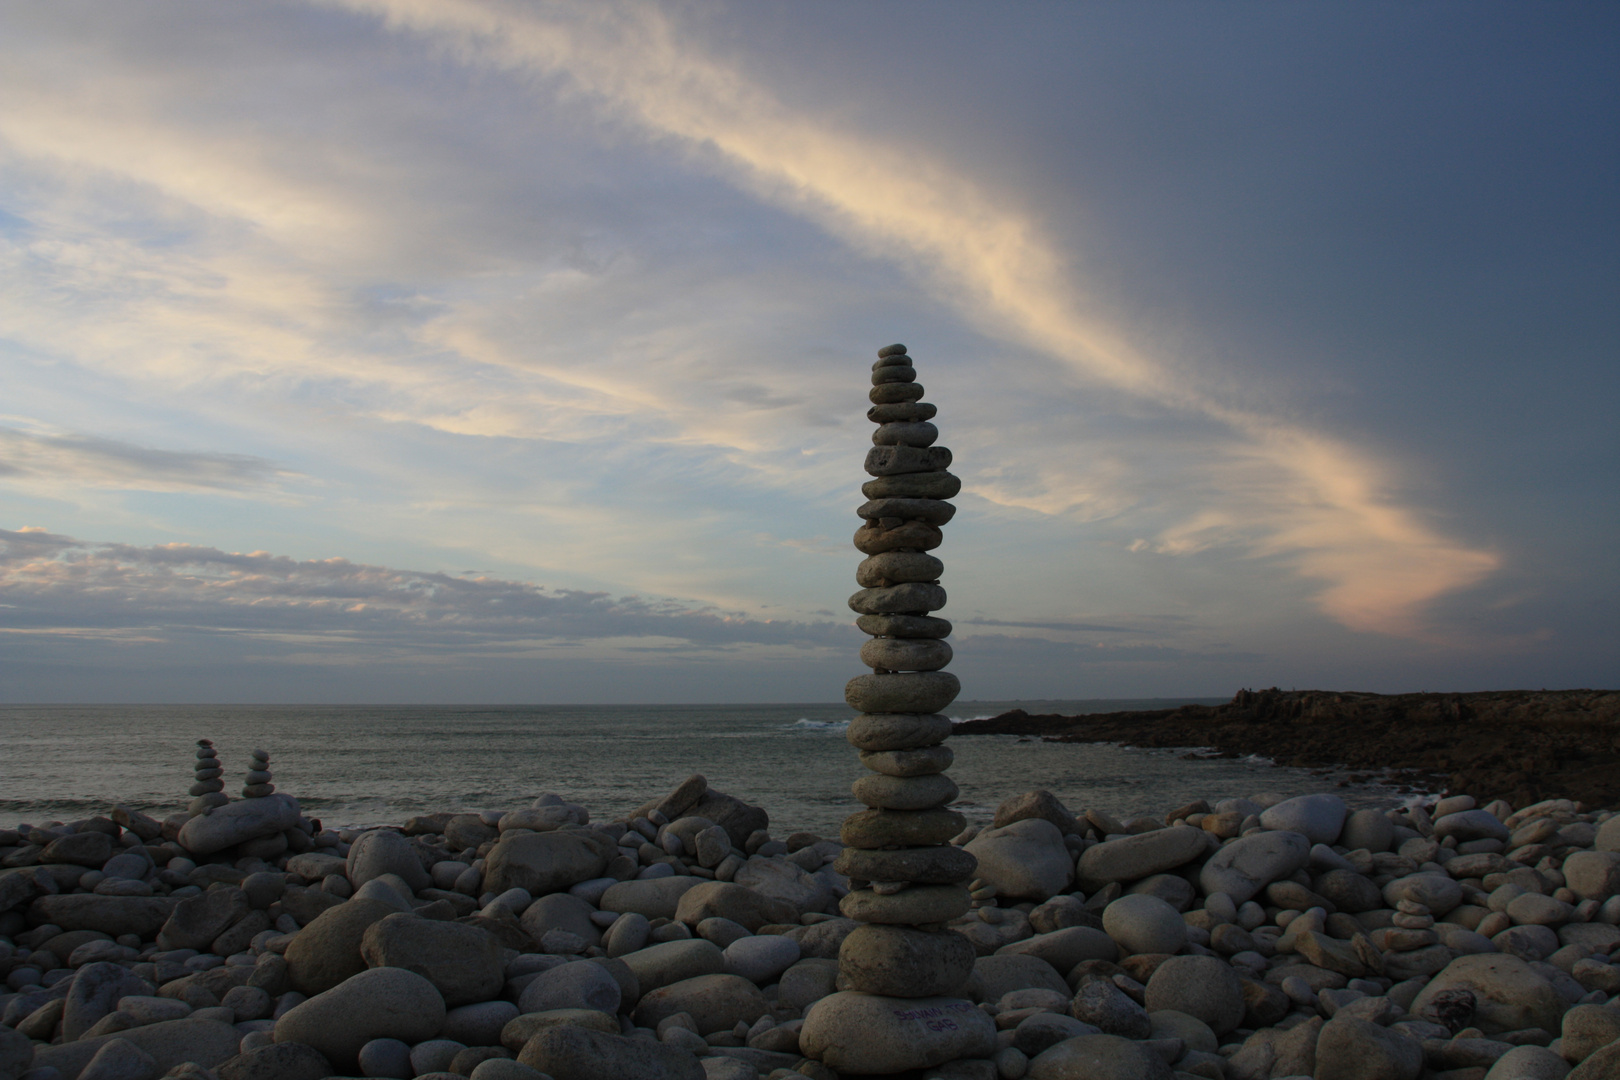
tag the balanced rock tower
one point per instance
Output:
(906, 878)
(258, 778)
(209, 789)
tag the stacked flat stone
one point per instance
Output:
(209, 789)
(258, 778)
(905, 876)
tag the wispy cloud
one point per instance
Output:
(63, 587)
(57, 458)
(1314, 501)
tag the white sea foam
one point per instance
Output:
(835, 727)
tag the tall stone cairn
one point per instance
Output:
(905, 875)
(258, 783)
(209, 789)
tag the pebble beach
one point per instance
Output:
(1252, 938)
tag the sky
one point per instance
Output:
(514, 351)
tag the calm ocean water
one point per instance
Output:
(352, 765)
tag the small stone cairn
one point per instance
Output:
(258, 778)
(905, 875)
(209, 790)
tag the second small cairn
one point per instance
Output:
(905, 875)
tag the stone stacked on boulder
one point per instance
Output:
(258, 778)
(906, 878)
(209, 789)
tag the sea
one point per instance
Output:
(358, 765)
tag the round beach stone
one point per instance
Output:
(1144, 924)
(1350, 1048)
(1098, 1002)
(520, 1029)
(464, 963)
(1349, 891)
(1529, 1063)
(875, 538)
(917, 904)
(897, 460)
(1132, 858)
(905, 792)
(925, 761)
(327, 951)
(1508, 994)
(547, 862)
(941, 864)
(897, 731)
(480, 1023)
(1435, 891)
(761, 959)
(890, 393)
(1319, 817)
(1243, 867)
(577, 1053)
(904, 433)
(656, 898)
(714, 1002)
(904, 626)
(900, 828)
(1200, 986)
(673, 961)
(908, 692)
(383, 1002)
(1468, 825)
(1026, 860)
(1368, 829)
(729, 902)
(1098, 1057)
(390, 1058)
(896, 567)
(876, 1034)
(905, 412)
(1065, 948)
(577, 985)
(932, 511)
(913, 596)
(276, 1061)
(906, 654)
(894, 373)
(1593, 875)
(900, 961)
(927, 485)
(887, 351)
(382, 851)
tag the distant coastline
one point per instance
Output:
(1519, 745)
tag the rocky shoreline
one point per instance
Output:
(1255, 938)
(1517, 745)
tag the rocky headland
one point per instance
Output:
(1518, 745)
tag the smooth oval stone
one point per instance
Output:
(897, 460)
(902, 962)
(581, 1052)
(904, 626)
(900, 828)
(874, 1034)
(913, 596)
(891, 350)
(894, 373)
(896, 567)
(257, 776)
(906, 654)
(908, 692)
(874, 539)
(922, 485)
(942, 864)
(921, 762)
(905, 434)
(932, 511)
(908, 907)
(904, 412)
(891, 393)
(905, 792)
(382, 1002)
(897, 731)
